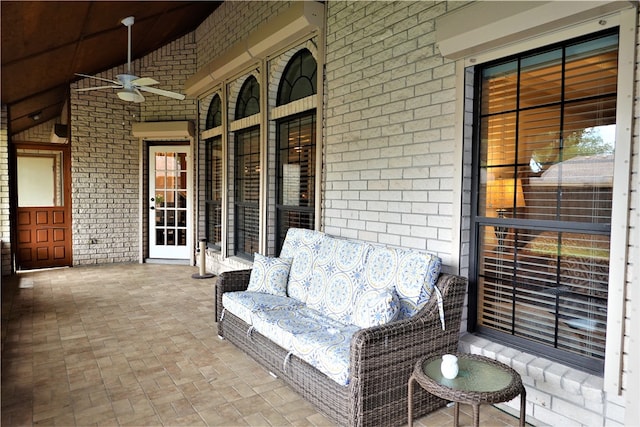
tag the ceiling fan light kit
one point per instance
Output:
(130, 85)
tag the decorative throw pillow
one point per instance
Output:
(376, 307)
(269, 275)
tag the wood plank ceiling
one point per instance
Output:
(45, 42)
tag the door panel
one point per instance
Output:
(43, 213)
(42, 238)
(169, 202)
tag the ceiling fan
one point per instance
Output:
(130, 85)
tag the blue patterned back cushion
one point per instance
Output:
(338, 278)
(413, 275)
(302, 246)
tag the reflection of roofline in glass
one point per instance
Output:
(594, 170)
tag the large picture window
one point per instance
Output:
(543, 172)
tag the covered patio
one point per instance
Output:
(135, 344)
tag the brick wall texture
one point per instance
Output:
(389, 126)
(40, 133)
(105, 155)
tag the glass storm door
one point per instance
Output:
(169, 202)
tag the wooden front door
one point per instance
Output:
(43, 223)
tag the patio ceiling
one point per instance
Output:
(45, 42)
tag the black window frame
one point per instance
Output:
(300, 211)
(213, 177)
(298, 81)
(477, 221)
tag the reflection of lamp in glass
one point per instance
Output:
(504, 195)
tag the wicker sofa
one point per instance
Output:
(380, 358)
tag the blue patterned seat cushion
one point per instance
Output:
(318, 340)
(355, 282)
(245, 304)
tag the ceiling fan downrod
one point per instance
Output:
(128, 22)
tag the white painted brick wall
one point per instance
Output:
(39, 133)
(230, 23)
(556, 394)
(170, 65)
(389, 98)
(104, 179)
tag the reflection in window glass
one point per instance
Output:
(40, 178)
(213, 191)
(170, 199)
(213, 177)
(249, 99)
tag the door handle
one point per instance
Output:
(152, 207)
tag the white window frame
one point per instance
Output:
(626, 20)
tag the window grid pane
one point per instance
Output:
(546, 143)
(296, 174)
(299, 78)
(247, 191)
(213, 192)
(546, 286)
(249, 99)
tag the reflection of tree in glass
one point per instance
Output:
(586, 142)
(583, 142)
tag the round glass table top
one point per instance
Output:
(473, 376)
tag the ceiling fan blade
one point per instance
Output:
(130, 95)
(144, 81)
(85, 89)
(141, 98)
(162, 92)
(97, 78)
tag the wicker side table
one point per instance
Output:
(480, 380)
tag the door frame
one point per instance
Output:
(65, 148)
(170, 147)
(164, 133)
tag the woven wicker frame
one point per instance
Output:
(382, 358)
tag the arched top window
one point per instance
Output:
(214, 115)
(249, 99)
(299, 78)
